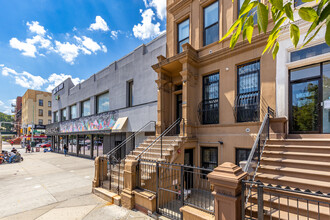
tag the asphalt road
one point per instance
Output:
(52, 186)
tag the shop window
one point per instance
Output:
(183, 34)
(41, 102)
(41, 112)
(211, 24)
(98, 145)
(63, 114)
(242, 155)
(248, 92)
(73, 111)
(129, 97)
(102, 103)
(85, 108)
(310, 52)
(210, 103)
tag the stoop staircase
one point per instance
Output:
(295, 173)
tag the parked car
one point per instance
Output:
(46, 144)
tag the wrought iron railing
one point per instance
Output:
(156, 146)
(115, 161)
(208, 111)
(283, 202)
(176, 185)
(253, 161)
(247, 107)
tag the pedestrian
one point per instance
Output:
(12, 143)
(65, 148)
(28, 148)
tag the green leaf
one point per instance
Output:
(278, 24)
(288, 11)
(312, 37)
(327, 34)
(262, 13)
(244, 5)
(275, 50)
(248, 8)
(311, 28)
(294, 34)
(319, 8)
(231, 29)
(308, 0)
(307, 14)
(277, 3)
(235, 36)
(325, 13)
(274, 13)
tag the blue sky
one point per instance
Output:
(42, 42)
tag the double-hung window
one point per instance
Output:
(183, 34)
(248, 92)
(211, 24)
(209, 158)
(73, 111)
(41, 112)
(210, 103)
(63, 114)
(41, 102)
(253, 10)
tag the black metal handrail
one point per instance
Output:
(160, 137)
(123, 143)
(258, 148)
(281, 193)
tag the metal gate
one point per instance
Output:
(176, 185)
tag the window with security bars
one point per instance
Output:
(209, 158)
(210, 103)
(248, 92)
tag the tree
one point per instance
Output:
(244, 25)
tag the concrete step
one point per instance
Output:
(155, 149)
(294, 182)
(146, 157)
(301, 142)
(294, 172)
(310, 156)
(303, 164)
(107, 195)
(298, 148)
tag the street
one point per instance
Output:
(52, 186)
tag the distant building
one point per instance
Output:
(36, 107)
(95, 116)
(18, 115)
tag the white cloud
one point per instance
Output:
(160, 6)
(99, 24)
(24, 79)
(114, 35)
(42, 44)
(27, 49)
(147, 29)
(55, 79)
(34, 27)
(1, 65)
(1, 103)
(30, 81)
(67, 51)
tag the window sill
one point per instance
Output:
(308, 61)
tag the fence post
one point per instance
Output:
(227, 179)
(96, 181)
(243, 200)
(182, 188)
(157, 185)
(161, 147)
(260, 202)
(127, 196)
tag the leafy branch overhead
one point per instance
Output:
(254, 12)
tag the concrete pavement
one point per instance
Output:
(52, 186)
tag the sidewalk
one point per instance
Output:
(52, 186)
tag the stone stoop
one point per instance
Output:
(107, 195)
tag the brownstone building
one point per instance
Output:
(221, 93)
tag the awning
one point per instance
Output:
(120, 123)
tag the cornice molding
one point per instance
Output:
(178, 6)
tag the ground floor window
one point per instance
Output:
(209, 158)
(73, 144)
(242, 154)
(84, 145)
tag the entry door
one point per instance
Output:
(305, 100)
(178, 111)
(188, 174)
